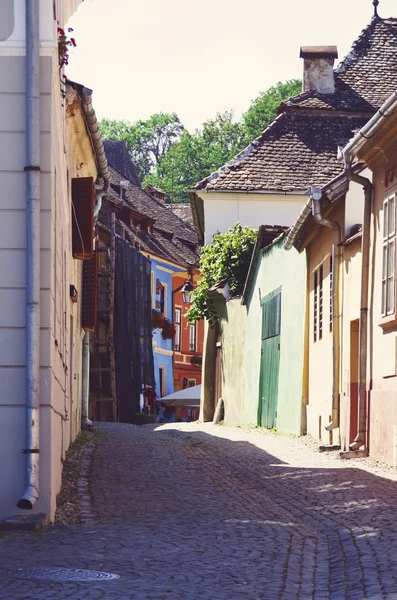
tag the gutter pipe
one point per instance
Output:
(315, 196)
(367, 131)
(85, 421)
(350, 150)
(360, 439)
(313, 206)
(305, 212)
(32, 170)
(96, 138)
(103, 166)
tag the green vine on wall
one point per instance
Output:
(226, 258)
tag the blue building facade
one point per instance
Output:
(162, 272)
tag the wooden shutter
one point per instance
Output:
(83, 199)
(271, 316)
(90, 293)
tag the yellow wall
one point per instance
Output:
(320, 352)
(382, 340)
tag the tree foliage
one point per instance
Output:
(168, 156)
(263, 109)
(147, 141)
(226, 258)
(196, 155)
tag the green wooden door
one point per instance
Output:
(270, 359)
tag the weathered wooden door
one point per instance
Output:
(270, 359)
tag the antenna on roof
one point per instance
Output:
(375, 3)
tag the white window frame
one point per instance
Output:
(177, 323)
(192, 337)
(318, 292)
(388, 292)
(331, 291)
(315, 305)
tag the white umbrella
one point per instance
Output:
(189, 397)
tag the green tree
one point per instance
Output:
(226, 258)
(147, 141)
(263, 109)
(168, 156)
(194, 156)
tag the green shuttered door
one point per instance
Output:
(270, 359)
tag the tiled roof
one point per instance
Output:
(172, 238)
(183, 211)
(295, 152)
(146, 205)
(152, 187)
(367, 75)
(299, 149)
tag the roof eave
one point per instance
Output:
(197, 205)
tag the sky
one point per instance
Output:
(204, 57)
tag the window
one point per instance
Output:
(83, 217)
(192, 337)
(161, 297)
(191, 383)
(315, 306)
(162, 381)
(177, 323)
(331, 300)
(389, 253)
(162, 300)
(318, 304)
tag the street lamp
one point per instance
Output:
(186, 290)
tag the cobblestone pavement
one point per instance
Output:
(203, 512)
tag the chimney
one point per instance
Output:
(318, 68)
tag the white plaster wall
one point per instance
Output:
(354, 206)
(48, 33)
(60, 377)
(222, 211)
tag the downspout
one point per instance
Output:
(315, 195)
(85, 421)
(360, 440)
(103, 167)
(32, 170)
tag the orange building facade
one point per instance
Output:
(189, 338)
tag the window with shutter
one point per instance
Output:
(90, 293)
(83, 199)
(389, 256)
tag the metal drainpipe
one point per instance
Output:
(85, 421)
(360, 440)
(315, 195)
(32, 170)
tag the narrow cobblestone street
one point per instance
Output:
(203, 512)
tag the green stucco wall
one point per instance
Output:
(276, 268)
(232, 324)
